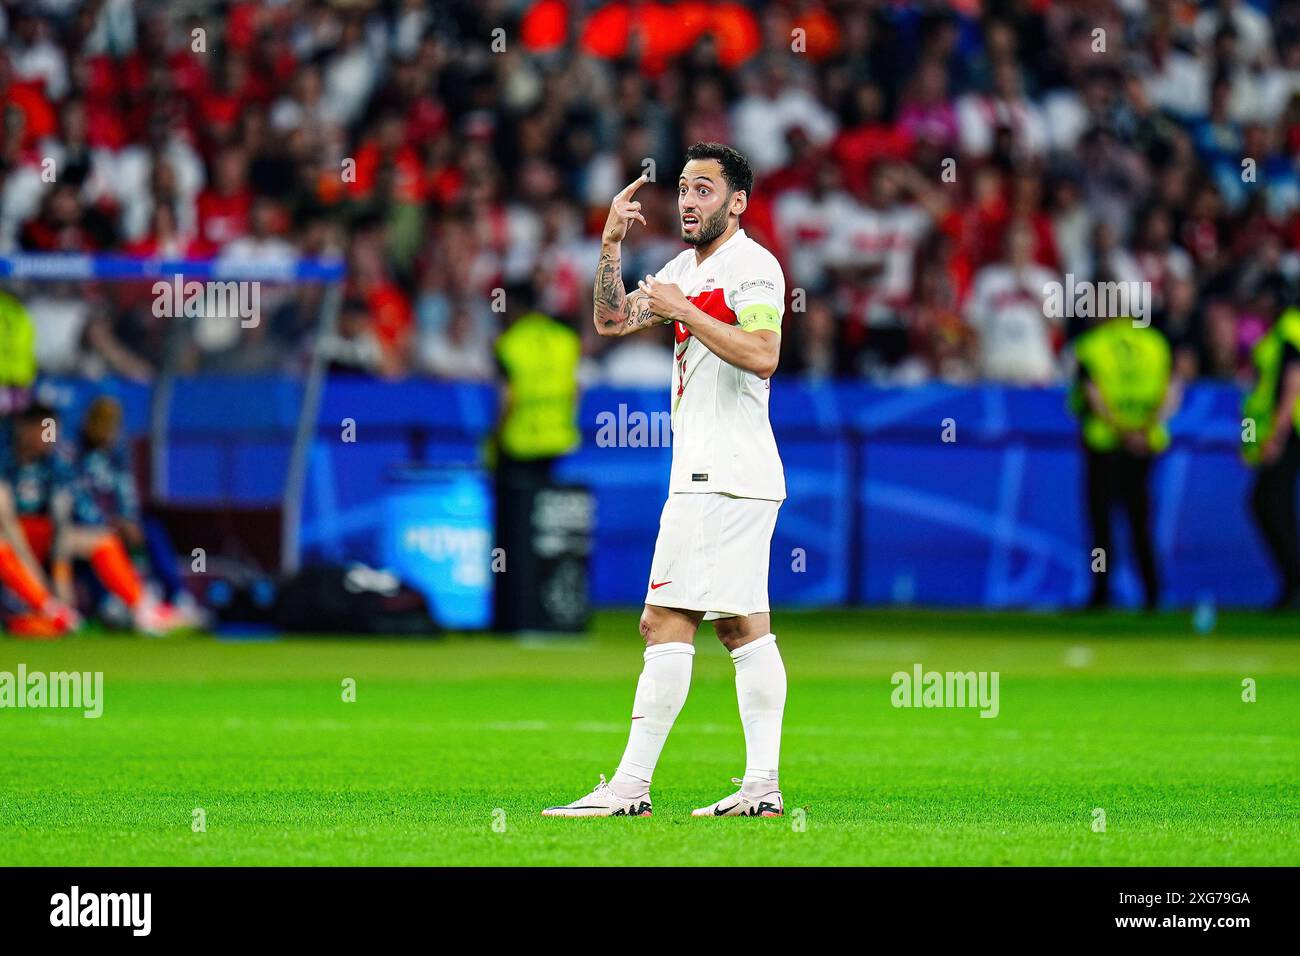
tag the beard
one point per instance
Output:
(709, 229)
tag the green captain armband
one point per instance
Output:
(752, 318)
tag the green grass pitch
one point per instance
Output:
(1134, 715)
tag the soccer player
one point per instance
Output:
(20, 571)
(724, 297)
(22, 575)
(105, 495)
(38, 491)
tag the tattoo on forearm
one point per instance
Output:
(613, 308)
(638, 313)
(609, 299)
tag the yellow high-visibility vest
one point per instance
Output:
(540, 356)
(1131, 367)
(17, 344)
(1258, 406)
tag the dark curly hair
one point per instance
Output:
(735, 167)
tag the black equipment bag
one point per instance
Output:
(356, 599)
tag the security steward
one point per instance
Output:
(538, 357)
(1122, 395)
(1271, 445)
(17, 354)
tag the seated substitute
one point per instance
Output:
(39, 484)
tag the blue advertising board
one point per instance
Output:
(437, 536)
(881, 509)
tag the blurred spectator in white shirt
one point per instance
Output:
(34, 56)
(1175, 80)
(1072, 225)
(1254, 34)
(981, 116)
(1007, 309)
(460, 350)
(305, 105)
(350, 73)
(873, 249)
(770, 107)
(806, 222)
(135, 178)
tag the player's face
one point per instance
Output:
(703, 202)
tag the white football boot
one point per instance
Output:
(603, 802)
(745, 803)
(158, 619)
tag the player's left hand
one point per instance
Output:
(666, 299)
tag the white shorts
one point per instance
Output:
(712, 555)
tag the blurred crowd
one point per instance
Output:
(923, 170)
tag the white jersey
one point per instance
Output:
(1007, 308)
(722, 439)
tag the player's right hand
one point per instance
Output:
(623, 210)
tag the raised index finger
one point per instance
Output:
(633, 186)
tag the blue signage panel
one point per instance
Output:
(437, 536)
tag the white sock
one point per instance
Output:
(660, 694)
(760, 691)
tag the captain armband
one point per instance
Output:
(753, 318)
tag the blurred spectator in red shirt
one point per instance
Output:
(64, 224)
(27, 100)
(387, 149)
(223, 208)
(868, 139)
